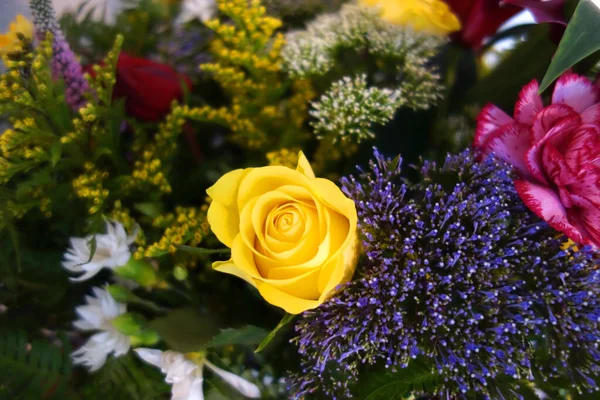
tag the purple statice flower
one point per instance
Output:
(64, 62)
(460, 277)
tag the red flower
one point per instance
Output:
(148, 87)
(555, 151)
(479, 19)
(482, 18)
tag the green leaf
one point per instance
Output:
(385, 384)
(517, 68)
(247, 336)
(286, 320)
(581, 39)
(55, 153)
(152, 210)
(185, 330)
(93, 245)
(198, 251)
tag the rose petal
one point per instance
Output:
(223, 215)
(546, 205)
(489, 120)
(279, 298)
(575, 91)
(510, 143)
(529, 103)
(304, 166)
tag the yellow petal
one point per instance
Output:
(243, 257)
(333, 197)
(228, 267)
(267, 179)
(304, 166)
(223, 215)
(279, 298)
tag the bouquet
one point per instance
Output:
(300, 199)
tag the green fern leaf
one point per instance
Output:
(37, 370)
(125, 378)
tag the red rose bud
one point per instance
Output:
(480, 19)
(148, 87)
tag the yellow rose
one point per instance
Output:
(433, 16)
(9, 42)
(292, 236)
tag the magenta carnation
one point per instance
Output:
(555, 151)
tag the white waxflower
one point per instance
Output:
(197, 9)
(112, 251)
(97, 315)
(186, 376)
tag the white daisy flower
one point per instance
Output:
(112, 251)
(97, 315)
(186, 376)
(197, 9)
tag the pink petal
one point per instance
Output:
(546, 205)
(555, 166)
(489, 119)
(590, 220)
(559, 130)
(510, 143)
(591, 115)
(583, 148)
(550, 116)
(585, 191)
(529, 103)
(576, 91)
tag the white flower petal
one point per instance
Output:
(246, 388)
(189, 389)
(151, 356)
(112, 251)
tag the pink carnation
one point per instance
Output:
(555, 151)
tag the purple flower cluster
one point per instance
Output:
(64, 62)
(460, 275)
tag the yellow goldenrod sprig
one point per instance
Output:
(188, 225)
(89, 186)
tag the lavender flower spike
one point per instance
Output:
(64, 62)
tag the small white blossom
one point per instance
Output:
(97, 315)
(197, 9)
(186, 376)
(112, 251)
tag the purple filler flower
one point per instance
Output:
(460, 276)
(64, 62)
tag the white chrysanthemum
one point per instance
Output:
(112, 251)
(97, 315)
(186, 376)
(197, 9)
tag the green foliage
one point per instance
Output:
(502, 85)
(284, 321)
(186, 330)
(581, 39)
(33, 370)
(385, 384)
(246, 336)
(125, 378)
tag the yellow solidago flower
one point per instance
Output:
(433, 16)
(9, 42)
